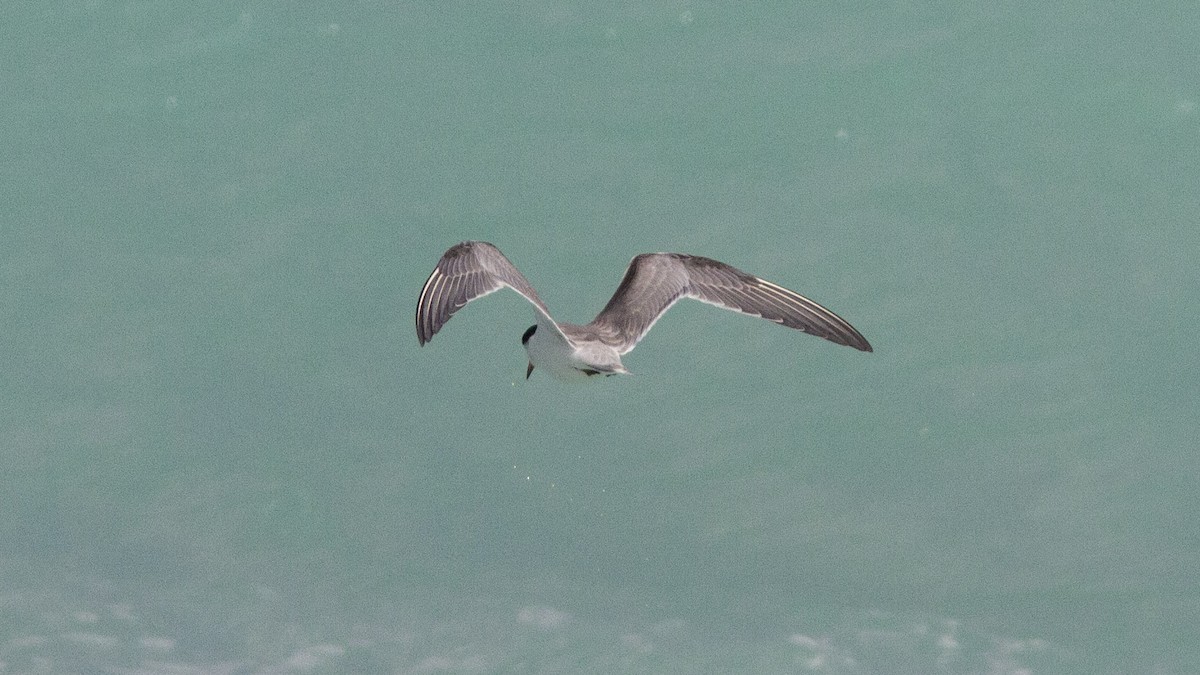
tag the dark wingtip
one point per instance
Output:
(859, 342)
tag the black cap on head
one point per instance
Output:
(528, 334)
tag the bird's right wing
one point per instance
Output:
(468, 271)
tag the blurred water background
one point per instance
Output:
(224, 452)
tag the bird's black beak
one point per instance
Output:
(529, 370)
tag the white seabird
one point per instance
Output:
(652, 283)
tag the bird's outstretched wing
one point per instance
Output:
(655, 281)
(468, 271)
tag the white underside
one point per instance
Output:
(550, 353)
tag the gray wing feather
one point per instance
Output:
(468, 271)
(656, 281)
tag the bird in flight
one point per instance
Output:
(653, 282)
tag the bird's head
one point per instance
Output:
(525, 343)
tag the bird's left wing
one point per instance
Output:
(656, 281)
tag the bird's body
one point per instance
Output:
(652, 283)
(573, 358)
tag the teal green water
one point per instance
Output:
(224, 451)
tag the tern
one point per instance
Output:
(653, 282)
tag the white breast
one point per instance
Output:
(549, 352)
